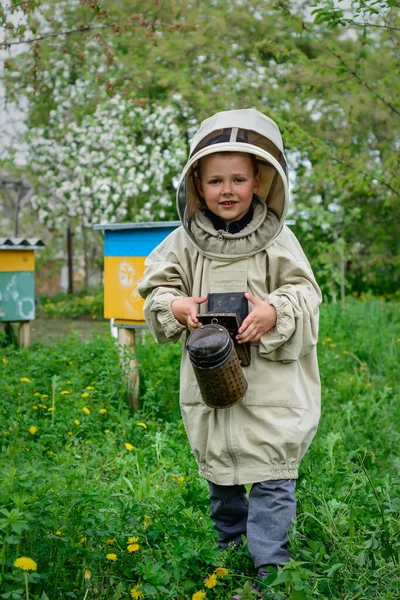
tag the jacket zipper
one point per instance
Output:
(229, 449)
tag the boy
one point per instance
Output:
(232, 200)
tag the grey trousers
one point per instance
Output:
(264, 517)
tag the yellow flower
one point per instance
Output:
(51, 409)
(69, 382)
(42, 406)
(142, 425)
(34, 407)
(344, 352)
(328, 339)
(33, 430)
(368, 384)
(103, 411)
(36, 394)
(25, 563)
(69, 432)
(106, 431)
(112, 557)
(58, 532)
(221, 571)
(82, 540)
(128, 446)
(146, 520)
(25, 379)
(64, 392)
(44, 396)
(87, 574)
(351, 378)
(77, 422)
(199, 595)
(4, 360)
(211, 581)
(110, 542)
(181, 479)
(89, 387)
(85, 395)
(136, 593)
(133, 540)
(86, 410)
(133, 547)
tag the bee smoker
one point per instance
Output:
(216, 365)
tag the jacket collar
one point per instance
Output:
(235, 226)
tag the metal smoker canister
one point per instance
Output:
(215, 363)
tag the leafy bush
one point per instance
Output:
(64, 306)
(109, 504)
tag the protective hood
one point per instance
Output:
(246, 131)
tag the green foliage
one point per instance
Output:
(79, 482)
(63, 305)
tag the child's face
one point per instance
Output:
(227, 184)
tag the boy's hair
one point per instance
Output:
(252, 157)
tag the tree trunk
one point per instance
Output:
(70, 261)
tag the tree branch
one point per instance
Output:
(370, 25)
(55, 34)
(364, 83)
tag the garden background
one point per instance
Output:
(98, 101)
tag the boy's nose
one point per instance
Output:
(227, 188)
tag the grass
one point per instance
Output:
(88, 482)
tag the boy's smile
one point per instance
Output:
(227, 184)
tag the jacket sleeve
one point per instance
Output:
(296, 297)
(164, 280)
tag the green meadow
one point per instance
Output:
(107, 504)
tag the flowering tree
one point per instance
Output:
(117, 162)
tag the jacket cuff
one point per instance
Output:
(162, 305)
(284, 316)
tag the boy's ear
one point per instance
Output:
(199, 187)
(257, 182)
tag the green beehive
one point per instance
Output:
(17, 279)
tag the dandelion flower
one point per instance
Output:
(58, 532)
(89, 387)
(142, 425)
(44, 396)
(36, 394)
(110, 542)
(77, 422)
(106, 431)
(146, 520)
(33, 430)
(103, 411)
(128, 447)
(199, 595)
(82, 540)
(85, 395)
(51, 409)
(86, 410)
(4, 360)
(136, 593)
(133, 547)
(69, 432)
(133, 540)
(87, 574)
(34, 407)
(64, 392)
(181, 479)
(112, 557)
(25, 379)
(221, 571)
(211, 581)
(25, 563)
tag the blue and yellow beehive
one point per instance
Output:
(126, 246)
(17, 278)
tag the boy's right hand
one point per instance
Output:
(185, 310)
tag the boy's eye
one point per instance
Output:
(239, 179)
(213, 181)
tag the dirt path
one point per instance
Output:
(49, 331)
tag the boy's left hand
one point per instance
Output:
(259, 321)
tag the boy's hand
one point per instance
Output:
(185, 310)
(259, 321)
